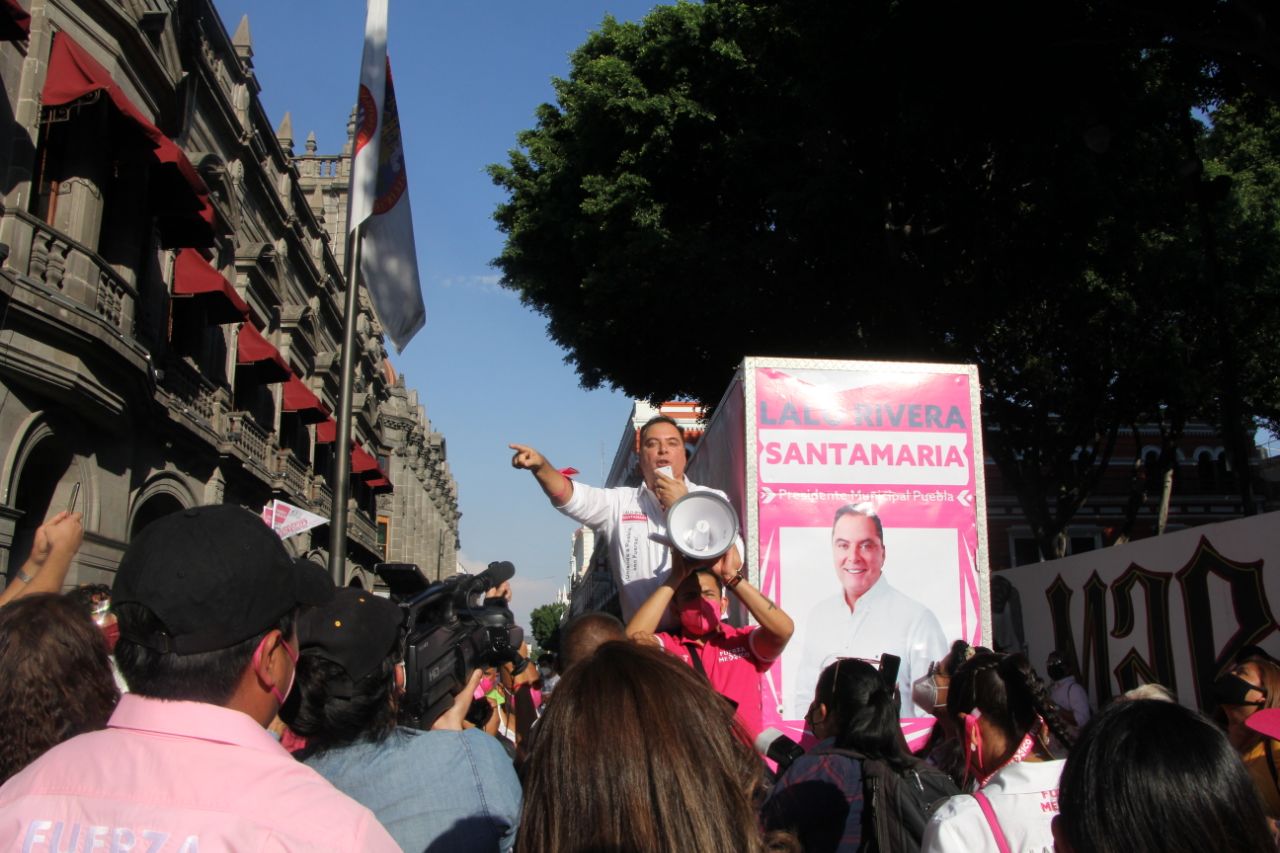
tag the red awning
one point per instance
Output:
(380, 484)
(298, 398)
(327, 432)
(72, 74)
(363, 464)
(194, 277)
(254, 353)
(15, 21)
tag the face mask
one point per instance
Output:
(809, 721)
(973, 762)
(112, 633)
(927, 693)
(293, 671)
(699, 617)
(1233, 690)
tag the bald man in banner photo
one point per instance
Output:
(868, 617)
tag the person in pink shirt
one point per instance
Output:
(206, 600)
(731, 658)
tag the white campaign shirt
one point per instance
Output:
(1024, 797)
(626, 516)
(883, 621)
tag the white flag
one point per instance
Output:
(289, 520)
(379, 196)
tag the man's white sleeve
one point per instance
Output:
(589, 505)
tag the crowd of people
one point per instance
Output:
(224, 695)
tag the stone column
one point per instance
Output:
(81, 175)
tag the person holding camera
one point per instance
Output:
(731, 658)
(447, 788)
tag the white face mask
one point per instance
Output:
(927, 693)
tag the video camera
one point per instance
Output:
(452, 630)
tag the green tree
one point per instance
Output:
(902, 180)
(545, 621)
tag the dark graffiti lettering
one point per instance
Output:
(1158, 666)
(1254, 622)
(1248, 602)
(1097, 655)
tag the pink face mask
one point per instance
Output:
(112, 634)
(973, 745)
(699, 617)
(293, 672)
(975, 766)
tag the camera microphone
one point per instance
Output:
(778, 748)
(497, 573)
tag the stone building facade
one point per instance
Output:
(171, 300)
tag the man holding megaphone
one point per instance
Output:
(632, 519)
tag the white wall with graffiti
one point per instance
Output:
(1174, 609)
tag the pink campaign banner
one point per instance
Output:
(867, 503)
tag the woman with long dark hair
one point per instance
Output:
(822, 797)
(55, 675)
(638, 754)
(1152, 775)
(1005, 720)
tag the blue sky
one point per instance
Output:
(468, 78)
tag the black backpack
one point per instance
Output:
(896, 807)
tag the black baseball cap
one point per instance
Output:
(356, 630)
(214, 576)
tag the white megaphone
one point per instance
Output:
(702, 525)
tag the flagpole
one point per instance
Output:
(342, 441)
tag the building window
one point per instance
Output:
(1151, 464)
(295, 437)
(384, 534)
(1205, 472)
(1080, 544)
(1025, 550)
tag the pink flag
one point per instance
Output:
(380, 193)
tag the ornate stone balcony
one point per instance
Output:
(194, 394)
(64, 266)
(290, 475)
(320, 166)
(251, 443)
(321, 496)
(361, 528)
